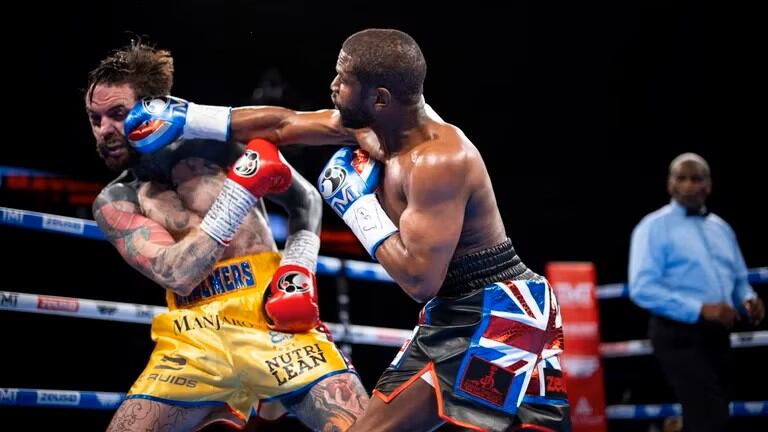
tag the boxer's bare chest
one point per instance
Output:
(393, 190)
(180, 204)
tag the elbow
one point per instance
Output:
(420, 292)
(640, 297)
(313, 209)
(181, 286)
(419, 288)
(416, 277)
(168, 279)
(180, 289)
(314, 203)
(640, 284)
(307, 211)
(634, 293)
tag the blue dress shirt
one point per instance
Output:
(678, 262)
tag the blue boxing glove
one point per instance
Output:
(348, 184)
(154, 123)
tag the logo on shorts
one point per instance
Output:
(248, 164)
(277, 337)
(486, 381)
(193, 321)
(170, 379)
(333, 177)
(294, 282)
(290, 364)
(554, 383)
(177, 363)
(223, 279)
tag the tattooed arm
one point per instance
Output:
(150, 248)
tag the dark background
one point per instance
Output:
(576, 107)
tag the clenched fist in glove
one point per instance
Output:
(259, 171)
(156, 122)
(291, 299)
(348, 184)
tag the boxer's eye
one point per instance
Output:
(117, 113)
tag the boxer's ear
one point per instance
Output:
(382, 98)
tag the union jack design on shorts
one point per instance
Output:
(519, 338)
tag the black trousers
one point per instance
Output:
(696, 359)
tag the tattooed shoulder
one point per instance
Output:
(122, 189)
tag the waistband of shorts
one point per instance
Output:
(478, 269)
(227, 277)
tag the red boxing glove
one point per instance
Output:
(259, 171)
(292, 303)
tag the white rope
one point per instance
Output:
(382, 336)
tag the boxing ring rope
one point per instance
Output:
(325, 266)
(342, 332)
(758, 275)
(110, 401)
(138, 313)
(356, 334)
(60, 398)
(143, 314)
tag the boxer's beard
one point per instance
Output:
(119, 162)
(355, 117)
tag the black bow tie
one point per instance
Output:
(702, 212)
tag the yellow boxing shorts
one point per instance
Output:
(213, 347)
